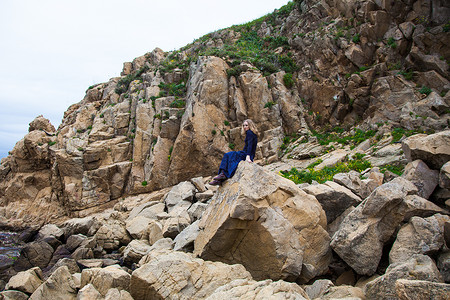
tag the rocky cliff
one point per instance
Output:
(336, 89)
(171, 116)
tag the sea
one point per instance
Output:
(9, 248)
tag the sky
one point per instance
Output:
(52, 50)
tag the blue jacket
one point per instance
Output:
(250, 144)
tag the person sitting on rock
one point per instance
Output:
(231, 160)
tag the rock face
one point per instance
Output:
(176, 274)
(419, 236)
(267, 224)
(362, 234)
(432, 149)
(418, 267)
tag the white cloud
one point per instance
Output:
(53, 50)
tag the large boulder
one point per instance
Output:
(266, 223)
(171, 274)
(34, 254)
(60, 285)
(421, 289)
(423, 177)
(27, 281)
(334, 198)
(419, 236)
(418, 267)
(362, 234)
(104, 279)
(259, 290)
(432, 149)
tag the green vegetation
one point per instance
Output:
(391, 43)
(309, 174)
(144, 183)
(226, 123)
(425, 90)
(172, 89)
(396, 169)
(337, 135)
(407, 74)
(356, 38)
(398, 132)
(269, 104)
(124, 83)
(288, 81)
(231, 146)
(178, 103)
(51, 143)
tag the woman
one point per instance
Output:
(231, 160)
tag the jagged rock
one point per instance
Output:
(112, 235)
(361, 236)
(74, 241)
(205, 196)
(334, 198)
(41, 123)
(419, 236)
(34, 254)
(343, 292)
(59, 285)
(421, 290)
(199, 184)
(27, 281)
(60, 253)
(107, 278)
(185, 240)
(196, 210)
(134, 251)
(71, 265)
(176, 224)
(138, 227)
(149, 210)
(414, 205)
(96, 263)
(115, 294)
(13, 295)
(308, 150)
(444, 176)
(318, 288)
(88, 292)
(278, 219)
(423, 177)
(266, 289)
(155, 232)
(350, 180)
(82, 253)
(432, 149)
(180, 195)
(176, 274)
(418, 267)
(443, 263)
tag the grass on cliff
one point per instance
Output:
(309, 175)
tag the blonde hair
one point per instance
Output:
(251, 126)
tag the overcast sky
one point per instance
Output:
(52, 51)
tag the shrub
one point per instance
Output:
(325, 174)
(269, 104)
(226, 123)
(425, 90)
(179, 103)
(231, 146)
(356, 38)
(288, 81)
(144, 183)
